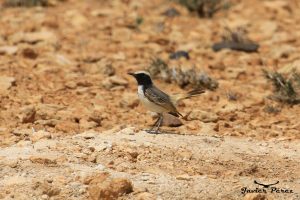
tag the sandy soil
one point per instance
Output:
(69, 111)
(169, 166)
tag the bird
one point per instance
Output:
(158, 101)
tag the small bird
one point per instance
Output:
(156, 100)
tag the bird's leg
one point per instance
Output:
(156, 125)
(156, 122)
(159, 123)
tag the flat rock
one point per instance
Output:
(102, 186)
(36, 136)
(76, 18)
(129, 100)
(8, 50)
(145, 196)
(43, 159)
(27, 114)
(171, 121)
(203, 116)
(34, 37)
(283, 51)
(113, 81)
(6, 82)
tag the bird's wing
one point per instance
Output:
(160, 98)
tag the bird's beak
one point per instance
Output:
(130, 73)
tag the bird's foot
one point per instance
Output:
(152, 131)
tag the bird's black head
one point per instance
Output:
(142, 77)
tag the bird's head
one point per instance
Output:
(142, 77)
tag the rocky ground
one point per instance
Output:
(71, 126)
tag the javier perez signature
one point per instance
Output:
(266, 188)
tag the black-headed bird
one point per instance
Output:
(158, 101)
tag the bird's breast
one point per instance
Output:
(148, 104)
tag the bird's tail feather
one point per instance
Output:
(176, 98)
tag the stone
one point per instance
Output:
(62, 60)
(283, 52)
(24, 143)
(49, 189)
(43, 159)
(88, 135)
(13, 163)
(108, 70)
(203, 116)
(184, 177)
(85, 124)
(102, 12)
(47, 111)
(27, 114)
(36, 136)
(34, 37)
(8, 50)
(77, 19)
(268, 28)
(6, 82)
(96, 117)
(45, 197)
(289, 68)
(114, 81)
(71, 84)
(119, 56)
(29, 53)
(106, 83)
(171, 121)
(47, 122)
(67, 126)
(102, 186)
(193, 125)
(118, 80)
(121, 34)
(145, 196)
(230, 107)
(129, 100)
(22, 132)
(208, 128)
(100, 177)
(256, 197)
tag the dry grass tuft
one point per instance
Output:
(204, 8)
(190, 77)
(286, 89)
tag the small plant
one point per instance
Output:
(297, 78)
(139, 20)
(171, 12)
(158, 68)
(236, 40)
(26, 3)
(136, 23)
(204, 8)
(271, 109)
(285, 89)
(232, 96)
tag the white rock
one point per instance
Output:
(9, 50)
(6, 82)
